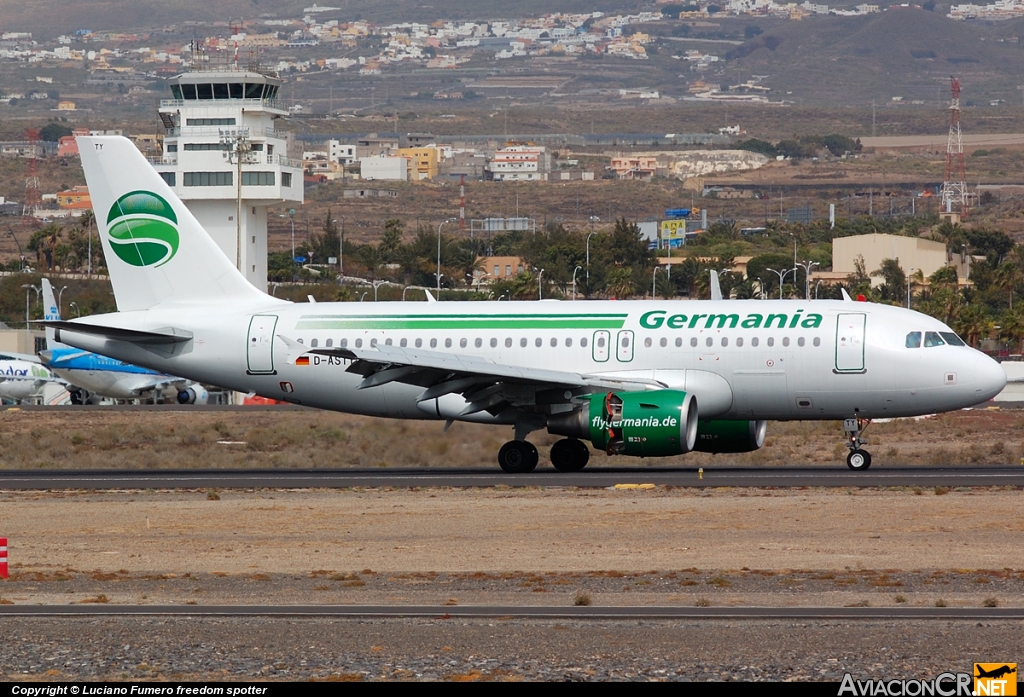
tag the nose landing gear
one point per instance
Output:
(859, 459)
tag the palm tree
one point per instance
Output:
(87, 221)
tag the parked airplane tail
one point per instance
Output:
(51, 313)
(156, 251)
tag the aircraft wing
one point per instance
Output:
(485, 384)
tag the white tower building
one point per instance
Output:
(218, 117)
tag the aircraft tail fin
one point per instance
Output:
(156, 251)
(51, 313)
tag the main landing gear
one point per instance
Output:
(859, 459)
(520, 456)
(569, 455)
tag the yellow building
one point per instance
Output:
(422, 162)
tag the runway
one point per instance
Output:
(605, 477)
(518, 612)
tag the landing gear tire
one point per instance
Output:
(518, 457)
(76, 397)
(569, 455)
(858, 460)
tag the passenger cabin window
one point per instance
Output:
(583, 342)
(914, 340)
(932, 339)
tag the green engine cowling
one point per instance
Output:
(721, 436)
(643, 424)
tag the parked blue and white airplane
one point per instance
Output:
(93, 375)
(640, 378)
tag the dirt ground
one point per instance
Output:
(536, 546)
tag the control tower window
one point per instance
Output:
(220, 90)
(204, 91)
(236, 90)
(253, 91)
(188, 91)
(176, 91)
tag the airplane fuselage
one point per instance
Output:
(773, 359)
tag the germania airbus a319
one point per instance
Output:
(634, 378)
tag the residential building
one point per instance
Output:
(519, 163)
(422, 162)
(490, 269)
(642, 167)
(75, 198)
(384, 167)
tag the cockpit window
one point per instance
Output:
(932, 339)
(914, 340)
(952, 339)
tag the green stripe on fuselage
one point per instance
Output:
(453, 322)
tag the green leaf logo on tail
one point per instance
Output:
(143, 229)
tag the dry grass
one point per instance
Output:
(289, 438)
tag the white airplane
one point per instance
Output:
(22, 378)
(640, 378)
(92, 375)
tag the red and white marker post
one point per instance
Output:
(3, 557)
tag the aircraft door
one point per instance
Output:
(601, 340)
(850, 342)
(260, 346)
(624, 346)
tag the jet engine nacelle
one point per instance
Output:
(642, 424)
(719, 436)
(193, 394)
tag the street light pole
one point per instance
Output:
(60, 294)
(291, 216)
(654, 278)
(782, 275)
(588, 260)
(540, 285)
(443, 223)
(78, 310)
(574, 281)
(911, 273)
(806, 266)
(236, 151)
(28, 336)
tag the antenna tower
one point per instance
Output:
(32, 198)
(954, 185)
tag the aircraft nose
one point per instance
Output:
(988, 377)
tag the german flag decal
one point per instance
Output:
(302, 360)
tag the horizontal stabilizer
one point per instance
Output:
(164, 336)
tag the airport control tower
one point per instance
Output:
(225, 158)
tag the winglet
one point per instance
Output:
(295, 349)
(716, 288)
(430, 298)
(846, 296)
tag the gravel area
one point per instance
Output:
(504, 650)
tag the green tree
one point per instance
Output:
(390, 245)
(893, 289)
(52, 132)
